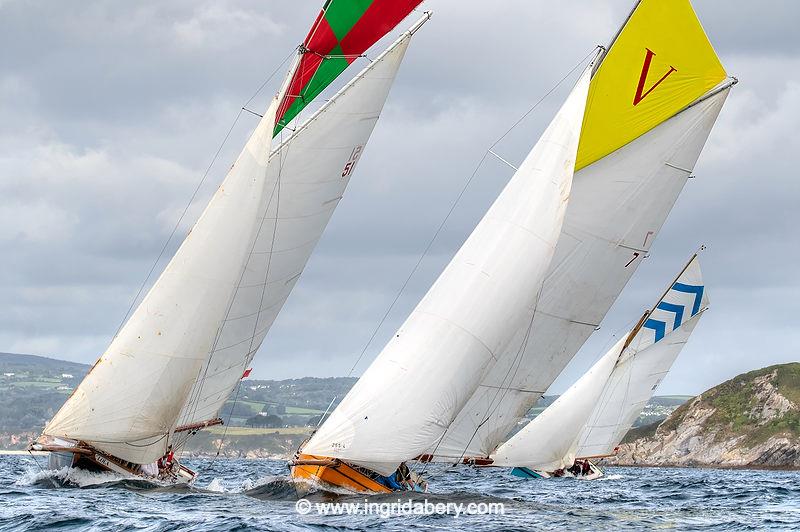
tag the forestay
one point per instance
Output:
(423, 377)
(619, 203)
(644, 363)
(307, 176)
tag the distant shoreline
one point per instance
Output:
(708, 466)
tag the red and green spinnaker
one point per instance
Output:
(343, 31)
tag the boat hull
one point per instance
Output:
(89, 459)
(524, 472)
(334, 473)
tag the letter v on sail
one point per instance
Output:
(641, 93)
(660, 62)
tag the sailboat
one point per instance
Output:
(541, 269)
(590, 419)
(655, 94)
(183, 351)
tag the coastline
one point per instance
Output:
(748, 467)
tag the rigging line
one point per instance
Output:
(276, 193)
(453, 207)
(178, 223)
(548, 93)
(196, 191)
(194, 399)
(44, 472)
(518, 358)
(508, 377)
(225, 430)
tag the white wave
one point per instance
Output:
(68, 475)
(216, 486)
(611, 477)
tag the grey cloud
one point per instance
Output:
(111, 112)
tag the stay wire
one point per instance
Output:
(196, 191)
(455, 204)
(518, 358)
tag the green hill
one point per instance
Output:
(750, 405)
(752, 420)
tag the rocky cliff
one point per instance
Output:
(752, 420)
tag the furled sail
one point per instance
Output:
(186, 346)
(618, 204)
(409, 395)
(307, 176)
(592, 417)
(645, 363)
(343, 31)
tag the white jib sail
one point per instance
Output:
(410, 394)
(550, 441)
(210, 295)
(617, 207)
(307, 177)
(645, 363)
(130, 399)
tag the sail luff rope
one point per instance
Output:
(256, 332)
(495, 403)
(452, 209)
(509, 377)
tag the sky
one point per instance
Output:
(112, 111)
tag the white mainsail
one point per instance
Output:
(645, 363)
(550, 441)
(186, 345)
(605, 401)
(307, 177)
(617, 207)
(408, 396)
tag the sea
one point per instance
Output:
(237, 495)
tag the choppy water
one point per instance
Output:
(250, 494)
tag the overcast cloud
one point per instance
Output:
(112, 110)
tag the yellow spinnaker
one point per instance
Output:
(661, 61)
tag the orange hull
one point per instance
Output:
(337, 474)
